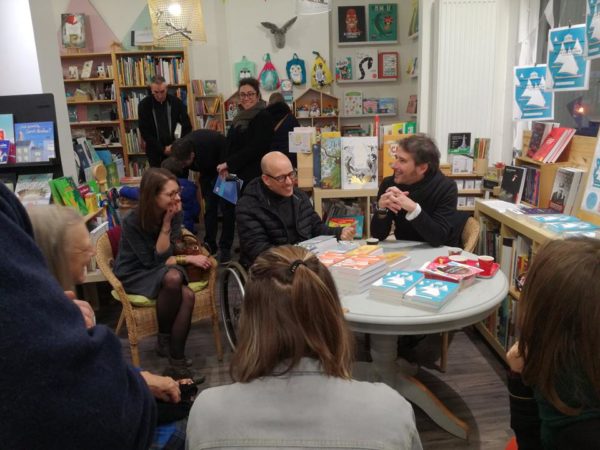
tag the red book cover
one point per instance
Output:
(549, 143)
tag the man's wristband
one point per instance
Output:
(381, 211)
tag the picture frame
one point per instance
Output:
(73, 73)
(73, 30)
(388, 65)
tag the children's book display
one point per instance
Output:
(34, 141)
(355, 274)
(359, 162)
(33, 189)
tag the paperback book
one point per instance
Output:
(567, 183)
(353, 103)
(395, 284)
(513, 184)
(331, 154)
(459, 144)
(319, 244)
(33, 189)
(343, 68)
(431, 294)
(554, 144)
(65, 192)
(37, 138)
(383, 22)
(577, 225)
(7, 128)
(539, 133)
(359, 162)
(355, 221)
(450, 271)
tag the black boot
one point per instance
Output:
(178, 369)
(163, 350)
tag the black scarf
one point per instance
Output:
(244, 116)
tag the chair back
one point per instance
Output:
(470, 235)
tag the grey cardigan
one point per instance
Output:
(303, 409)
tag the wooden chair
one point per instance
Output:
(141, 321)
(469, 239)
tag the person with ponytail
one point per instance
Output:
(293, 371)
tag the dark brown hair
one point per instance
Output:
(250, 82)
(182, 149)
(152, 184)
(287, 315)
(559, 315)
(173, 165)
(423, 150)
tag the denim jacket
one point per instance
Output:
(303, 409)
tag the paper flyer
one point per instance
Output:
(531, 100)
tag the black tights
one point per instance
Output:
(174, 308)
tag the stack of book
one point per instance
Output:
(393, 285)
(553, 146)
(451, 271)
(319, 244)
(431, 294)
(329, 258)
(355, 274)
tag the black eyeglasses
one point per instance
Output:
(281, 178)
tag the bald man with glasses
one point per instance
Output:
(274, 212)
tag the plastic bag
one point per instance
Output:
(320, 75)
(269, 80)
(296, 70)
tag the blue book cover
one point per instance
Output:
(40, 139)
(7, 131)
(229, 190)
(399, 280)
(572, 226)
(431, 294)
(4, 149)
(554, 218)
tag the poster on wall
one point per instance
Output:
(73, 30)
(383, 22)
(591, 198)
(592, 29)
(351, 24)
(567, 69)
(531, 100)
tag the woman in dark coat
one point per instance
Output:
(284, 121)
(146, 266)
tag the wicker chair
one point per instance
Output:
(469, 239)
(141, 321)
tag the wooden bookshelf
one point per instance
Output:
(364, 196)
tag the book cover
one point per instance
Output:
(387, 65)
(459, 144)
(7, 128)
(411, 107)
(513, 184)
(431, 294)
(369, 106)
(319, 243)
(578, 225)
(383, 22)
(4, 151)
(229, 190)
(351, 24)
(398, 281)
(331, 154)
(65, 191)
(359, 265)
(563, 182)
(359, 162)
(346, 221)
(531, 190)
(397, 259)
(36, 138)
(33, 189)
(386, 105)
(365, 249)
(86, 71)
(353, 103)
(328, 259)
(391, 144)
(554, 142)
(449, 271)
(73, 30)
(343, 68)
(300, 141)
(112, 175)
(366, 64)
(539, 132)
(542, 219)
(210, 87)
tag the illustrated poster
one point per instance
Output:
(383, 22)
(567, 69)
(359, 162)
(351, 24)
(73, 30)
(592, 29)
(531, 100)
(591, 197)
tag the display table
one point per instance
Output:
(385, 320)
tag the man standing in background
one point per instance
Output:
(162, 118)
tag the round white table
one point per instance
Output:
(385, 320)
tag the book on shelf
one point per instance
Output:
(369, 106)
(86, 71)
(431, 294)
(33, 189)
(554, 144)
(366, 64)
(575, 225)
(411, 106)
(343, 68)
(356, 221)
(7, 128)
(36, 141)
(197, 87)
(531, 191)
(459, 144)
(567, 183)
(393, 285)
(513, 184)
(359, 162)
(65, 192)
(4, 151)
(462, 164)
(539, 133)
(331, 154)
(387, 105)
(210, 87)
(391, 144)
(353, 105)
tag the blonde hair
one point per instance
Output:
(291, 310)
(51, 224)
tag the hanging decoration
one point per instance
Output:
(279, 33)
(321, 75)
(530, 100)
(243, 69)
(269, 80)
(296, 70)
(567, 69)
(176, 22)
(592, 30)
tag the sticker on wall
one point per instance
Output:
(592, 29)
(567, 69)
(531, 100)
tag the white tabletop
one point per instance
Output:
(471, 305)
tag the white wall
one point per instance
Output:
(21, 73)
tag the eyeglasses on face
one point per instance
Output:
(250, 94)
(281, 178)
(173, 194)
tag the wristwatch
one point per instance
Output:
(381, 211)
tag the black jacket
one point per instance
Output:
(157, 140)
(209, 148)
(246, 148)
(260, 228)
(280, 139)
(439, 222)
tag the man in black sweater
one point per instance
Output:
(159, 115)
(201, 151)
(274, 212)
(418, 198)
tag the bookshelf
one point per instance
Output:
(209, 111)
(365, 198)
(317, 109)
(469, 187)
(104, 108)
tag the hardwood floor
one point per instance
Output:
(473, 386)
